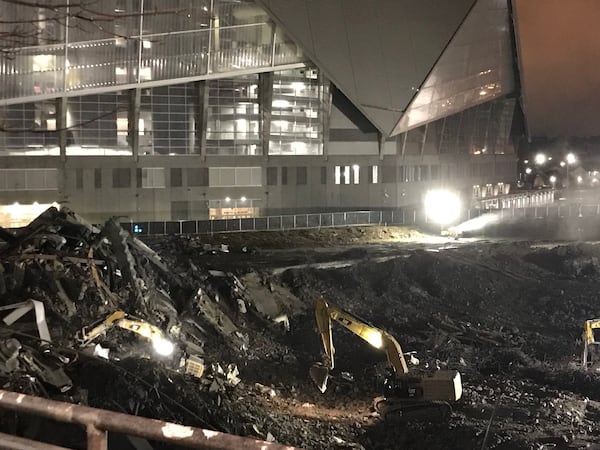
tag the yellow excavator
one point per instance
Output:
(591, 345)
(161, 345)
(406, 395)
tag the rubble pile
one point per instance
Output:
(205, 333)
(93, 315)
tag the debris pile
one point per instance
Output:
(224, 340)
(71, 293)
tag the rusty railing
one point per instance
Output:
(98, 422)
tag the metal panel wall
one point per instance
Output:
(377, 53)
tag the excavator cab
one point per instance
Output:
(591, 344)
(405, 394)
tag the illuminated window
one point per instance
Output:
(373, 174)
(355, 174)
(342, 174)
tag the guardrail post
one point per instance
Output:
(96, 438)
(295, 226)
(240, 227)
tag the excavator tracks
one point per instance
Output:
(409, 411)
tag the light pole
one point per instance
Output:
(553, 181)
(571, 158)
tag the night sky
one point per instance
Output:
(559, 55)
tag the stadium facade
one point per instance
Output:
(176, 110)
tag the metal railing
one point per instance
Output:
(275, 223)
(397, 217)
(99, 421)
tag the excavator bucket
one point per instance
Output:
(319, 374)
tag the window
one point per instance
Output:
(373, 174)
(355, 174)
(342, 174)
(121, 178)
(388, 174)
(198, 176)
(234, 176)
(78, 178)
(401, 174)
(301, 175)
(476, 191)
(284, 175)
(176, 178)
(423, 174)
(97, 178)
(271, 176)
(153, 177)
(323, 175)
(28, 179)
(434, 172)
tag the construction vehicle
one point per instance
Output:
(591, 345)
(409, 396)
(161, 345)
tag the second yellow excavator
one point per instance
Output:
(161, 345)
(406, 395)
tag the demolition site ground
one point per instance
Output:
(507, 314)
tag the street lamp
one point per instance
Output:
(553, 180)
(571, 159)
(540, 159)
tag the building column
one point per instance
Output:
(201, 117)
(265, 107)
(424, 139)
(381, 144)
(133, 122)
(327, 99)
(62, 133)
(61, 126)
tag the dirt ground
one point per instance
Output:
(507, 314)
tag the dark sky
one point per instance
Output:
(559, 53)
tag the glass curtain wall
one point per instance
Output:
(98, 124)
(79, 46)
(297, 112)
(233, 118)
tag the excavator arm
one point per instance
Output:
(118, 318)
(590, 343)
(379, 339)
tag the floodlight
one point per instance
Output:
(442, 206)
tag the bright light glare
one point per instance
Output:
(528, 170)
(163, 346)
(571, 158)
(552, 179)
(442, 207)
(374, 338)
(478, 223)
(580, 179)
(540, 158)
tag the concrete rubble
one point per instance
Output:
(86, 313)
